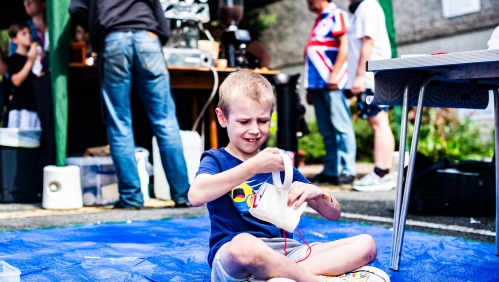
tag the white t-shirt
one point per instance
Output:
(368, 20)
(494, 40)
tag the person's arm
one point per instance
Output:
(19, 77)
(334, 79)
(207, 188)
(323, 203)
(366, 49)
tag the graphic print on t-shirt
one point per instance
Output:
(243, 194)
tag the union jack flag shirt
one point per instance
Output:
(322, 48)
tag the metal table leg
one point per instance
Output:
(399, 236)
(400, 171)
(496, 122)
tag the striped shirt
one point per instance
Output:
(322, 48)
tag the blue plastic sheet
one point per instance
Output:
(176, 250)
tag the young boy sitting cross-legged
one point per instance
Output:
(242, 247)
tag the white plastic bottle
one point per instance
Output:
(142, 156)
(37, 65)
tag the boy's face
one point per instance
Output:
(23, 38)
(247, 126)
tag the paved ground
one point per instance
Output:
(373, 208)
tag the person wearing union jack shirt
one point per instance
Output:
(325, 76)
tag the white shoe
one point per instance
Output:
(363, 274)
(373, 183)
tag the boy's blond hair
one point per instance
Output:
(243, 85)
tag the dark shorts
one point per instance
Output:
(365, 110)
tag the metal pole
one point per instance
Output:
(410, 170)
(496, 122)
(400, 170)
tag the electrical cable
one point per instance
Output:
(212, 95)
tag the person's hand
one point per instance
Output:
(358, 85)
(33, 52)
(268, 160)
(334, 80)
(300, 192)
(308, 97)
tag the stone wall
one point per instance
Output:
(422, 20)
(416, 21)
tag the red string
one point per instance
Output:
(303, 239)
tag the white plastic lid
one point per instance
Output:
(7, 270)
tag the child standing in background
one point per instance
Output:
(23, 114)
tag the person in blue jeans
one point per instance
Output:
(129, 35)
(325, 74)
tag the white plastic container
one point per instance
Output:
(142, 157)
(25, 138)
(192, 145)
(99, 183)
(62, 187)
(8, 273)
(395, 160)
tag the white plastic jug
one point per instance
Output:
(142, 157)
(192, 144)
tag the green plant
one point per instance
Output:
(312, 144)
(444, 135)
(4, 40)
(258, 20)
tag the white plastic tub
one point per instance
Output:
(25, 138)
(99, 183)
(8, 273)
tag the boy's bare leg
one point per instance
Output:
(384, 142)
(341, 256)
(246, 255)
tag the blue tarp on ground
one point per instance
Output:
(176, 250)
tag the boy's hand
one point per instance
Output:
(32, 53)
(266, 161)
(300, 192)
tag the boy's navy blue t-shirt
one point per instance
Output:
(229, 214)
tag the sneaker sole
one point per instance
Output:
(375, 188)
(375, 271)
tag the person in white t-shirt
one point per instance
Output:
(368, 40)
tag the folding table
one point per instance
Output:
(455, 80)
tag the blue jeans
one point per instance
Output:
(335, 125)
(137, 56)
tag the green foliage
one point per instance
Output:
(444, 135)
(313, 145)
(258, 20)
(4, 40)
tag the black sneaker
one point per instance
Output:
(324, 179)
(345, 179)
(183, 205)
(120, 205)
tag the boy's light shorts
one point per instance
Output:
(296, 251)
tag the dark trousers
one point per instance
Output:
(45, 105)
